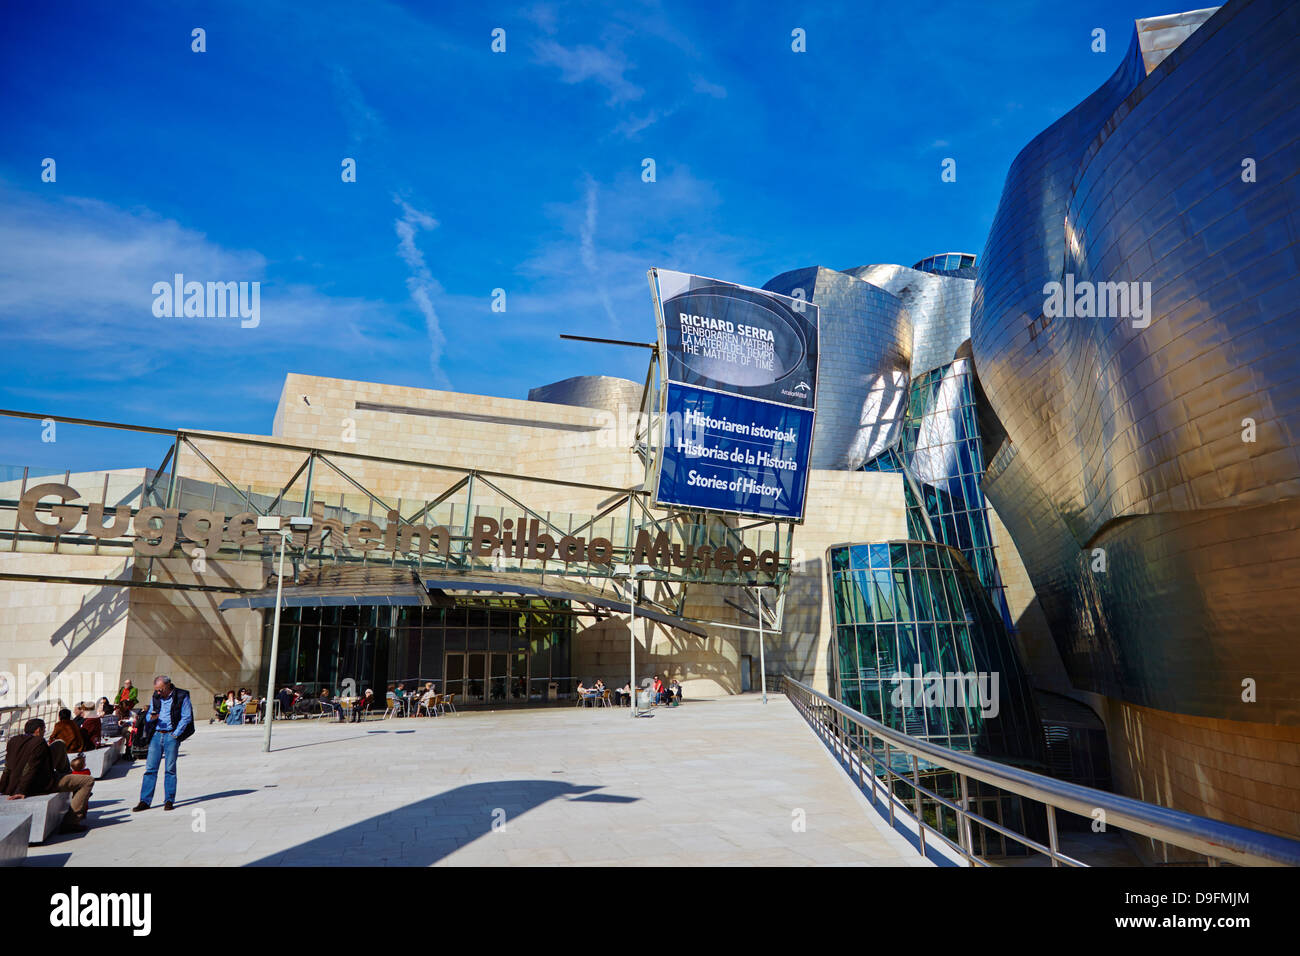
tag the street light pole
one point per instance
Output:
(762, 659)
(275, 649)
(630, 573)
(631, 603)
(270, 524)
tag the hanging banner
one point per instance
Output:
(739, 396)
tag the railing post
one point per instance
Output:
(889, 782)
(964, 821)
(1051, 833)
(916, 788)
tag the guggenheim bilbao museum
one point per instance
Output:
(1068, 465)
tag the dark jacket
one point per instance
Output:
(29, 769)
(178, 702)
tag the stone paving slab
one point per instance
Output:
(713, 782)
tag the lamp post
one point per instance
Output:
(630, 574)
(762, 659)
(271, 524)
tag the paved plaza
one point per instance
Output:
(728, 781)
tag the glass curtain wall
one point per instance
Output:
(485, 651)
(939, 448)
(907, 612)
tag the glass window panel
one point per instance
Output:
(866, 638)
(908, 656)
(903, 606)
(882, 596)
(886, 651)
(930, 660)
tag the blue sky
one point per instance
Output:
(475, 171)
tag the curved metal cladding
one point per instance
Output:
(1127, 436)
(591, 391)
(938, 304)
(912, 624)
(866, 350)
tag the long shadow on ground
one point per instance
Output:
(424, 832)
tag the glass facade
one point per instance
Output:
(945, 262)
(493, 651)
(940, 452)
(907, 612)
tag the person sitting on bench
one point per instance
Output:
(30, 772)
(67, 731)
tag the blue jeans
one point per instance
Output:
(160, 745)
(236, 714)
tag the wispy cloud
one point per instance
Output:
(421, 284)
(708, 88)
(76, 296)
(363, 122)
(606, 66)
(592, 275)
(587, 247)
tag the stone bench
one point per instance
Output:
(46, 813)
(14, 833)
(101, 758)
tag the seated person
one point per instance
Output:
(77, 765)
(660, 691)
(30, 771)
(330, 702)
(91, 730)
(428, 697)
(128, 695)
(363, 704)
(68, 732)
(236, 704)
(79, 714)
(286, 699)
(623, 696)
(676, 688)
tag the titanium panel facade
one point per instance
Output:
(1129, 438)
(592, 391)
(866, 351)
(939, 305)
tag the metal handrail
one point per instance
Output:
(1214, 840)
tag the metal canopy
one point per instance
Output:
(340, 587)
(563, 589)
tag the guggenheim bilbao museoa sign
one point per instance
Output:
(739, 396)
(157, 531)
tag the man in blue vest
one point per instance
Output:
(171, 720)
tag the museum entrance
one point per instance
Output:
(488, 651)
(493, 677)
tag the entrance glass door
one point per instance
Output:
(475, 672)
(496, 677)
(518, 677)
(497, 683)
(455, 680)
